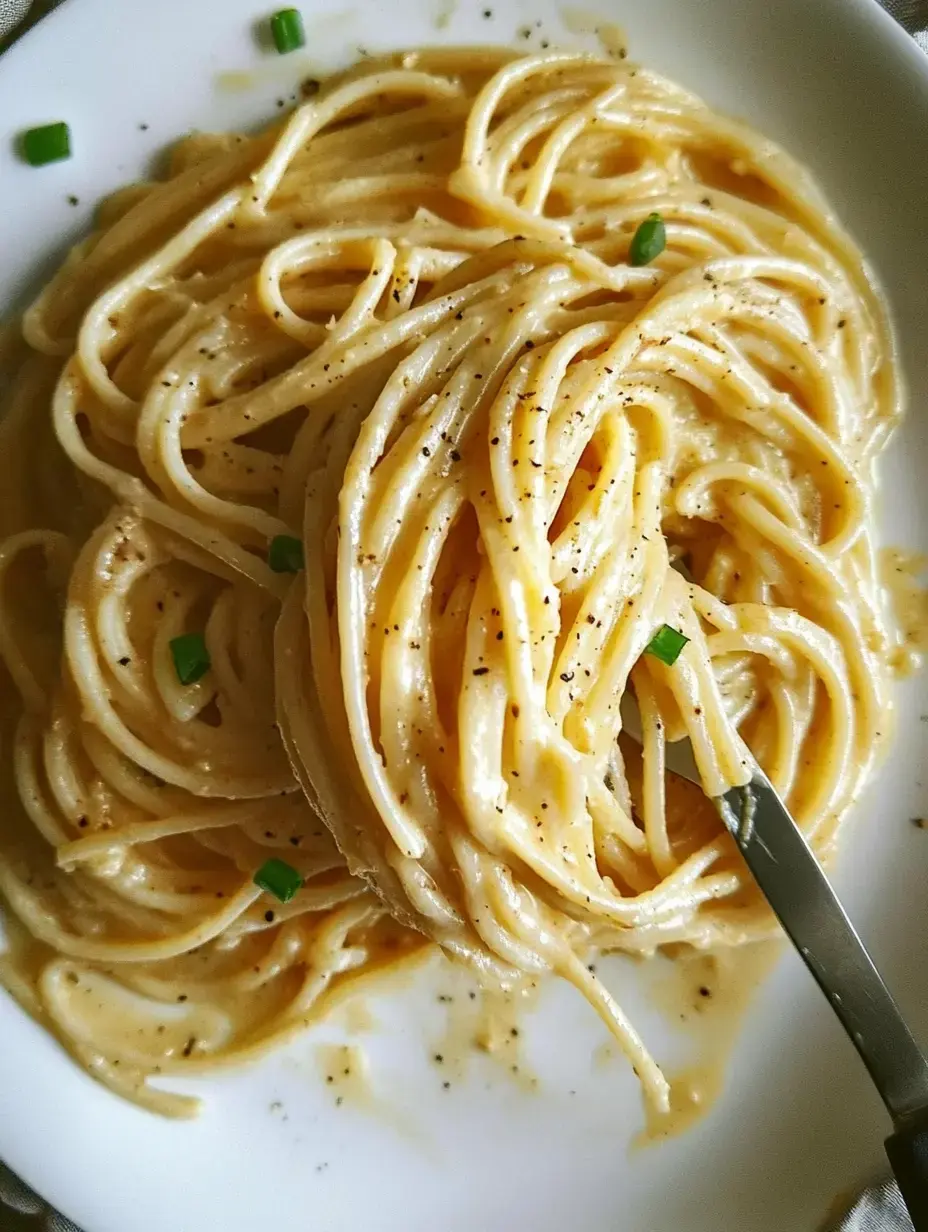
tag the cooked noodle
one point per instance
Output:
(403, 324)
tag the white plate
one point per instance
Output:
(844, 89)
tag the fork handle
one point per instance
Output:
(907, 1149)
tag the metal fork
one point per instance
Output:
(800, 894)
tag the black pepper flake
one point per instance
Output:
(481, 671)
(426, 451)
(269, 916)
(567, 677)
(125, 661)
(455, 456)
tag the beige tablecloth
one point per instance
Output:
(879, 1207)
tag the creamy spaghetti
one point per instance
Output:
(407, 330)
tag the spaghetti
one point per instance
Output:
(410, 327)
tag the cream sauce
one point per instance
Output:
(345, 1071)
(901, 574)
(710, 994)
(444, 13)
(611, 36)
(486, 1022)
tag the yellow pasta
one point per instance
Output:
(409, 327)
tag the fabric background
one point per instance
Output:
(879, 1208)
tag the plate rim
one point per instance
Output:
(868, 14)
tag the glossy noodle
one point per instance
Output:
(403, 327)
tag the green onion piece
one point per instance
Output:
(287, 29)
(191, 658)
(666, 645)
(649, 241)
(285, 555)
(279, 879)
(48, 144)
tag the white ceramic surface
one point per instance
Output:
(844, 89)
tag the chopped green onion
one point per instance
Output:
(279, 879)
(649, 241)
(191, 658)
(666, 645)
(285, 555)
(48, 144)
(287, 29)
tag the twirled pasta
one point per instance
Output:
(404, 325)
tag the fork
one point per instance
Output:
(794, 884)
